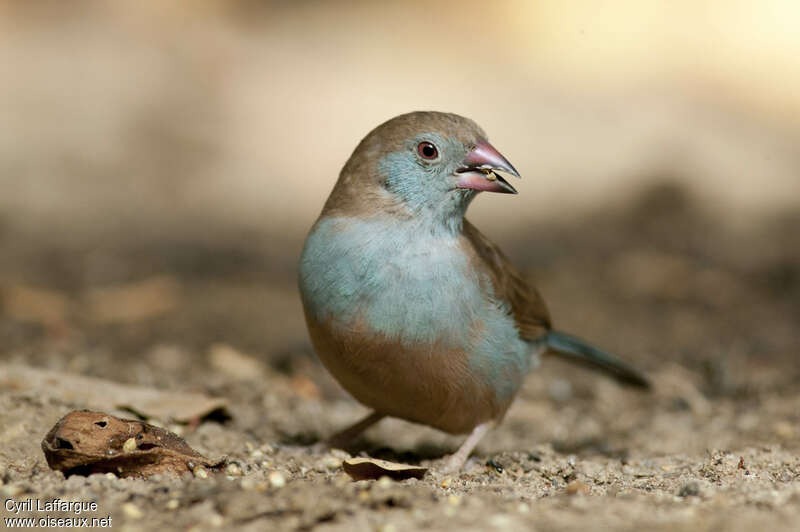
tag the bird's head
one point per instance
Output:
(424, 164)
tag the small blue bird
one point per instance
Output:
(416, 313)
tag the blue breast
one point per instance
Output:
(412, 286)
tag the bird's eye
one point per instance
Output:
(427, 150)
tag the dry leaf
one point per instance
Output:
(372, 468)
(84, 442)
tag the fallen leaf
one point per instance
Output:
(100, 394)
(85, 442)
(372, 468)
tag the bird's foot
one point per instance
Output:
(456, 461)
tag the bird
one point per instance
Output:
(415, 312)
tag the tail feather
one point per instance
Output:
(576, 350)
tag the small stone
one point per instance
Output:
(110, 476)
(276, 479)
(172, 504)
(130, 445)
(256, 453)
(265, 464)
(200, 472)
(331, 462)
(132, 511)
(233, 470)
(446, 483)
(384, 482)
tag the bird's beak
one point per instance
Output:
(480, 165)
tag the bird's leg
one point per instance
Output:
(344, 436)
(457, 459)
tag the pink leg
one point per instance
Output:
(456, 460)
(343, 437)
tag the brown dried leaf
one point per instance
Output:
(372, 468)
(84, 442)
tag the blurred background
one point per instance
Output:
(161, 162)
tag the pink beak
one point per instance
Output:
(478, 172)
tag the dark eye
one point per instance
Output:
(427, 150)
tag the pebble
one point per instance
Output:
(132, 511)
(233, 470)
(129, 445)
(384, 482)
(216, 520)
(331, 462)
(276, 479)
(200, 472)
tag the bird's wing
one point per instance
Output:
(527, 306)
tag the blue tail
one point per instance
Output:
(576, 350)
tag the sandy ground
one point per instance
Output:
(710, 314)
